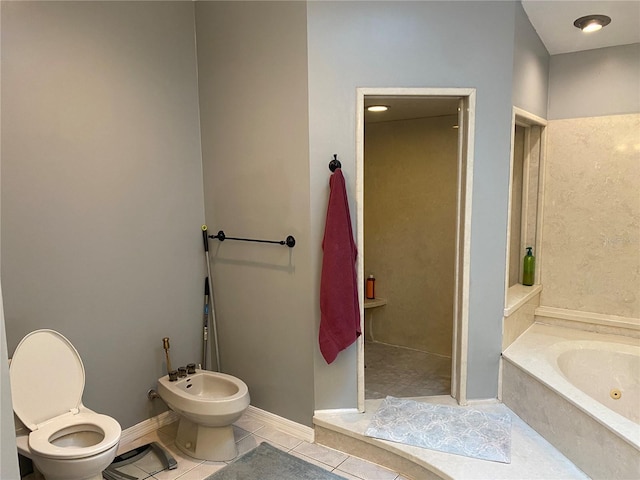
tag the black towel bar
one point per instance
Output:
(289, 241)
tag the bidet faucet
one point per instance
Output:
(165, 345)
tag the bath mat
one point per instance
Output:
(266, 462)
(458, 430)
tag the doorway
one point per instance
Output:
(413, 195)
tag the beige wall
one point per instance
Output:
(591, 226)
(515, 227)
(410, 220)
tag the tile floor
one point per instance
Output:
(403, 372)
(249, 433)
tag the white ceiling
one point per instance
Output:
(553, 21)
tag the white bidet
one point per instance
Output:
(208, 403)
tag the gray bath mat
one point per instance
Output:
(458, 430)
(269, 463)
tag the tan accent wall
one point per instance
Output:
(515, 252)
(410, 211)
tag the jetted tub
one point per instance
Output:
(581, 391)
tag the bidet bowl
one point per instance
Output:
(207, 398)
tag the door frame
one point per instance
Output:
(466, 118)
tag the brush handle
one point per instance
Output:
(205, 239)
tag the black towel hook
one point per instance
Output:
(335, 163)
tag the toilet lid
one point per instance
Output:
(47, 378)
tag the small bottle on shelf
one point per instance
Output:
(528, 268)
(371, 287)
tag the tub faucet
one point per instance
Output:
(165, 345)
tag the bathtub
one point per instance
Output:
(581, 391)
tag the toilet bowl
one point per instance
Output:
(64, 439)
(208, 403)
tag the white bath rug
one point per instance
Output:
(458, 430)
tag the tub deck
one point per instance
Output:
(600, 441)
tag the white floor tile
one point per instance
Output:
(202, 471)
(248, 443)
(365, 470)
(249, 433)
(278, 438)
(313, 461)
(248, 423)
(322, 454)
(185, 464)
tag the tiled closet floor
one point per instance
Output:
(403, 372)
(249, 433)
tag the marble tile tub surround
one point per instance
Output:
(587, 443)
(590, 258)
(597, 439)
(519, 313)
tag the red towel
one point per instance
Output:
(340, 312)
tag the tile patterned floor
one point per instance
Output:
(403, 372)
(249, 433)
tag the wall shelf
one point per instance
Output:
(518, 295)
(374, 302)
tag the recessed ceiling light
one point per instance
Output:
(378, 108)
(592, 23)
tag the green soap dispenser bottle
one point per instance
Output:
(529, 268)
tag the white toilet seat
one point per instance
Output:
(40, 440)
(47, 382)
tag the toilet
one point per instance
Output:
(63, 438)
(207, 403)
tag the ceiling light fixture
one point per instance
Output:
(378, 108)
(592, 23)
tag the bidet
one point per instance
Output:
(208, 403)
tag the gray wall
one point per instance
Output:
(431, 44)
(102, 180)
(8, 456)
(102, 196)
(252, 64)
(595, 82)
(530, 67)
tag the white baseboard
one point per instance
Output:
(152, 424)
(336, 411)
(145, 427)
(288, 426)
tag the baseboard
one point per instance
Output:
(146, 426)
(288, 426)
(154, 423)
(337, 410)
